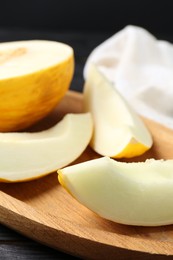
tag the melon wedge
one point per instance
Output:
(26, 156)
(128, 193)
(34, 76)
(118, 130)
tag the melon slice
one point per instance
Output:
(25, 156)
(118, 130)
(128, 193)
(34, 76)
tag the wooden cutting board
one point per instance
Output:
(44, 211)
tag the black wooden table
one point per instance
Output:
(12, 245)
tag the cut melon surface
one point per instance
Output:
(34, 76)
(118, 130)
(25, 156)
(127, 193)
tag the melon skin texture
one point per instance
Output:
(34, 77)
(118, 130)
(128, 193)
(27, 156)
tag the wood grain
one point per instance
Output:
(45, 212)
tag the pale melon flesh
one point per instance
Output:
(27, 57)
(128, 193)
(25, 156)
(118, 130)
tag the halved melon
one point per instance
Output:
(34, 76)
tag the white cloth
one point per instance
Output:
(141, 68)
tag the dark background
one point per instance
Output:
(87, 15)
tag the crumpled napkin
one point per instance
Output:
(141, 68)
